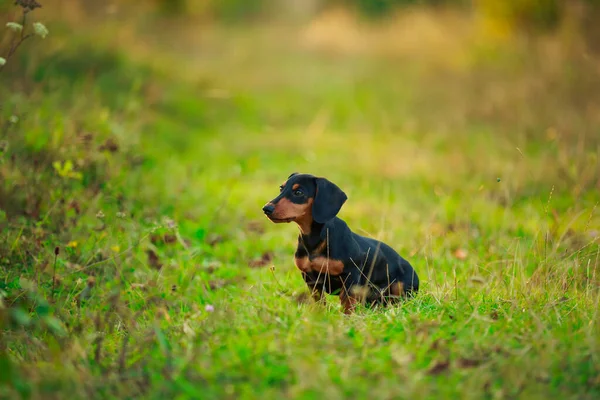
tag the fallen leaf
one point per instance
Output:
(401, 357)
(188, 330)
(73, 266)
(110, 145)
(438, 367)
(263, 261)
(460, 254)
(153, 259)
(138, 286)
(167, 238)
(217, 284)
(256, 227)
(543, 376)
(437, 344)
(212, 266)
(214, 239)
(593, 381)
(74, 205)
(85, 138)
(499, 350)
(469, 362)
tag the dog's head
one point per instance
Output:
(304, 198)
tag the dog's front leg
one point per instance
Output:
(348, 301)
(326, 265)
(301, 260)
(303, 264)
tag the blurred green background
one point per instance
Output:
(140, 139)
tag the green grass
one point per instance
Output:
(495, 206)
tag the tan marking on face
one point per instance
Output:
(285, 209)
(305, 221)
(295, 186)
(327, 265)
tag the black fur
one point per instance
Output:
(328, 201)
(367, 262)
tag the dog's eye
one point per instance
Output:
(280, 189)
(298, 193)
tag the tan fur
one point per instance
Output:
(348, 302)
(327, 265)
(396, 289)
(303, 264)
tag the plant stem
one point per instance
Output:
(56, 251)
(17, 42)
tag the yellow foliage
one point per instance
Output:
(502, 17)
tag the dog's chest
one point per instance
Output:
(325, 282)
(315, 246)
(322, 249)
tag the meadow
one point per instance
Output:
(136, 152)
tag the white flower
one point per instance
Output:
(40, 29)
(15, 26)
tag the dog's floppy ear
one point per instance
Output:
(328, 200)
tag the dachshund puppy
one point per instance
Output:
(331, 257)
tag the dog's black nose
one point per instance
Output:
(269, 208)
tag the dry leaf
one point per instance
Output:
(460, 254)
(213, 239)
(167, 238)
(256, 227)
(153, 259)
(217, 284)
(438, 367)
(263, 261)
(138, 286)
(110, 145)
(469, 362)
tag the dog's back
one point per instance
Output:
(376, 264)
(384, 266)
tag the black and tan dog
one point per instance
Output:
(332, 258)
